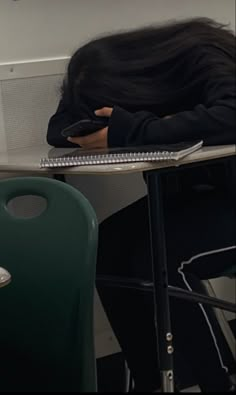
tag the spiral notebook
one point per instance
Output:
(154, 153)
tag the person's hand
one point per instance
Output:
(93, 140)
(104, 112)
(97, 139)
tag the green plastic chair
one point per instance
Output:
(46, 313)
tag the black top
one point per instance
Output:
(211, 116)
(206, 112)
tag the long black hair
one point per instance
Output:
(149, 68)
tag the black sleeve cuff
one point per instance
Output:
(120, 123)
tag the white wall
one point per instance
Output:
(35, 29)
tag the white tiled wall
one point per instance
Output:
(32, 29)
(2, 128)
(27, 104)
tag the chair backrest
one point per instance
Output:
(46, 320)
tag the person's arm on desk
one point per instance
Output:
(214, 122)
(59, 121)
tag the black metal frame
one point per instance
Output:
(160, 280)
(175, 292)
(59, 177)
(160, 276)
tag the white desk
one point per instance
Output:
(27, 161)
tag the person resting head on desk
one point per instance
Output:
(134, 81)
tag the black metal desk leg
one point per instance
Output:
(59, 177)
(160, 280)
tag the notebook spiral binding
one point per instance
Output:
(107, 159)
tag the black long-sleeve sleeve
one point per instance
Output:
(59, 121)
(214, 122)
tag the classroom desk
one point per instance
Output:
(26, 161)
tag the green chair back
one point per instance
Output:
(46, 312)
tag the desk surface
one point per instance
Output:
(26, 160)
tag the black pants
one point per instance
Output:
(200, 231)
